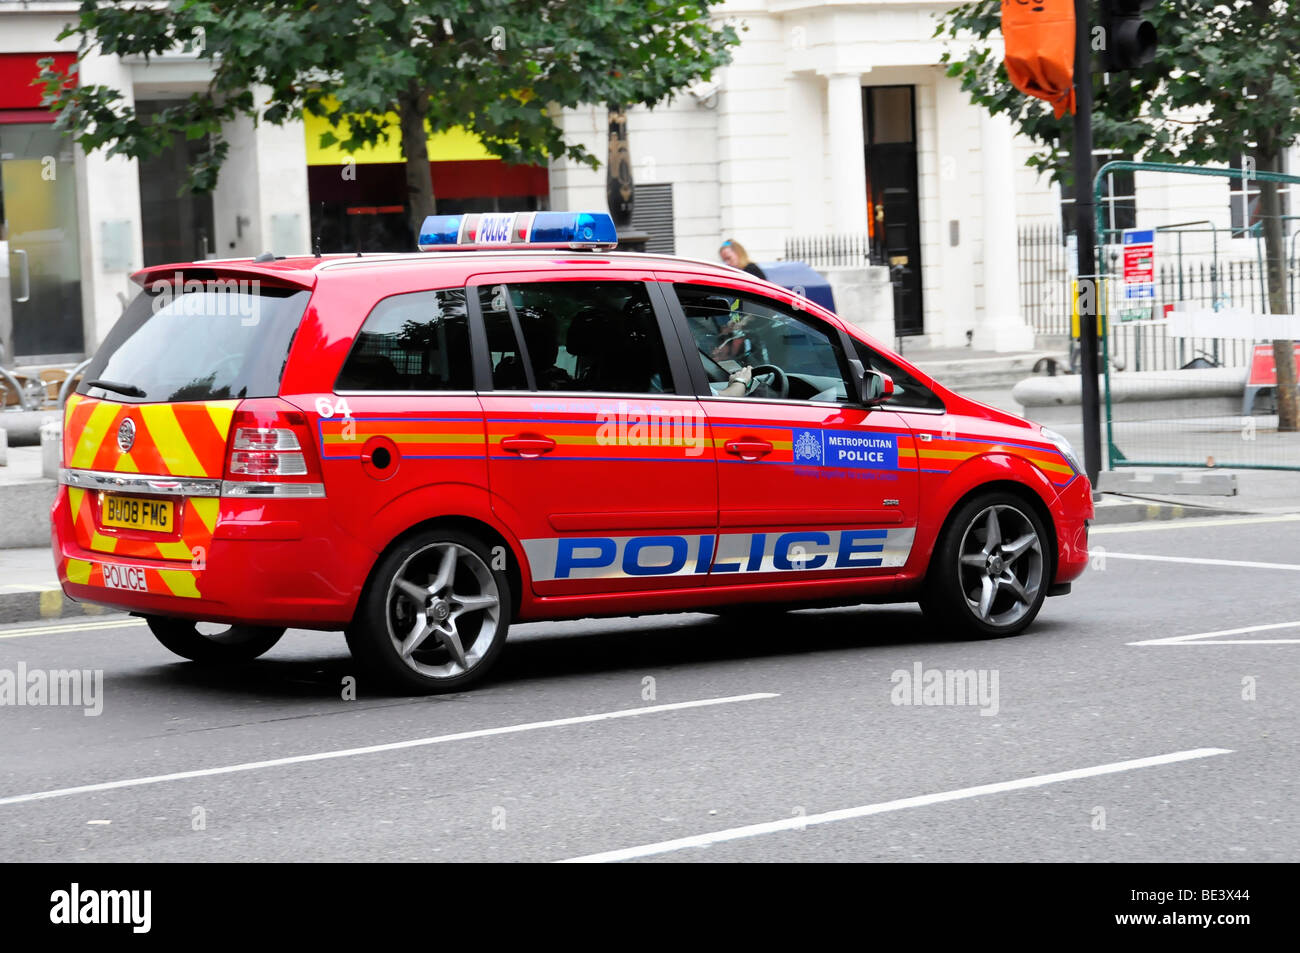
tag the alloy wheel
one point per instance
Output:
(1000, 565)
(444, 610)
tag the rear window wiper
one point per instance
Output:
(129, 390)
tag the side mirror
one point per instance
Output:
(873, 387)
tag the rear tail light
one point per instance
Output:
(271, 452)
(265, 438)
(267, 463)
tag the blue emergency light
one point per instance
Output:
(519, 230)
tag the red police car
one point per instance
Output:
(422, 449)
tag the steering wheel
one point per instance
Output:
(780, 383)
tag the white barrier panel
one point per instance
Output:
(1233, 323)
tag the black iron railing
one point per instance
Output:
(831, 250)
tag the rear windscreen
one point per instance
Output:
(216, 339)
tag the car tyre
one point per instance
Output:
(434, 615)
(237, 643)
(991, 568)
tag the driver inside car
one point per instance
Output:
(737, 383)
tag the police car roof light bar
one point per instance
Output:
(585, 231)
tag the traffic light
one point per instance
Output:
(1130, 39)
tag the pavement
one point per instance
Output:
(1151, 715)
(25, 500)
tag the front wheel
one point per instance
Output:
(434, 615)
(989, 574)
(212, 643)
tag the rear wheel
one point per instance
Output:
(213, 643)
(989, 574)
(434, 616)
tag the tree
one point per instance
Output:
(495, 67)
(1223, 87)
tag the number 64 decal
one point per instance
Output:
(327, 408)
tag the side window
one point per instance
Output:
(503, 344)
(578, 336)
(417, 341)
(734, 332)
(909, 393)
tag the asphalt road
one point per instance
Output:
(1092, 748)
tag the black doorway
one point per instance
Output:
(893, 212)
(175, 226)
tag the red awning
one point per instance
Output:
(18, 71)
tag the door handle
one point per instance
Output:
(528, 445)
(748, 448)
(27, 277)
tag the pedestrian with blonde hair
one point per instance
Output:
(733, 253)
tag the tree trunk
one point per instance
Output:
(1270, 205)
(413, 107)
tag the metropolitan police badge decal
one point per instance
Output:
(808, 446)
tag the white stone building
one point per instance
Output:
(814, 106)
(75, 226)
(835, 118)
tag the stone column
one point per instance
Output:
(848, 153)
(108, 203)
(1001, 327)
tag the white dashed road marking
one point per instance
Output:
(378, 749)
(1218, 637)
(1153, 526)
(798, 823)
(1197, 560)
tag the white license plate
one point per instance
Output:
(124, 577)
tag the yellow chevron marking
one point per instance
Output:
(170, 440)
(73, 401)
(206, 509)
(92, 435)
(180, 581)
(125, 464)
(75, 497)
(102, 544)
(221, 411)
(174, 550)
(78, 571)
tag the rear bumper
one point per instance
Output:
(265, 566)
(1071, 513)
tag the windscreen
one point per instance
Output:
(198, 339)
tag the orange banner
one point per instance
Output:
(1039, 38)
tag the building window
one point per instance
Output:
(1244, 204)
(1118, 199)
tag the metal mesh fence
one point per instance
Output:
(1183, 355)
